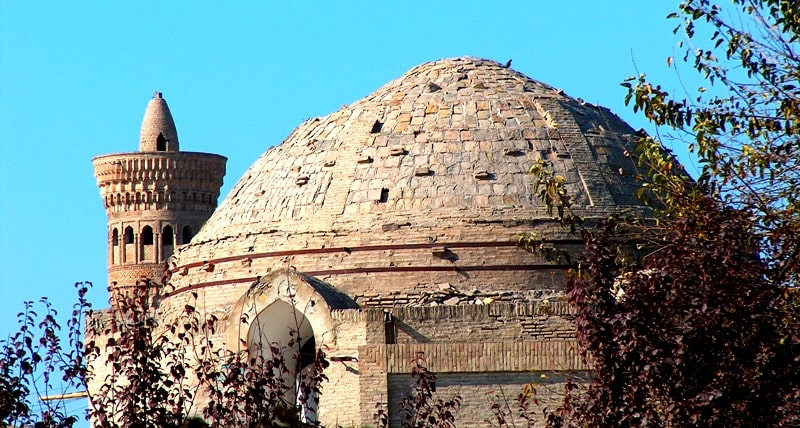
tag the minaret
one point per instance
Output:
(155, 199)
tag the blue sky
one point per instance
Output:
(75, 78)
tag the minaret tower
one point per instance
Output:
(155, 199)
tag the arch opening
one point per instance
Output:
(128, 235)
(147, 235)
(282, 327)
(167, 242)
(167, 236)
(161, 143)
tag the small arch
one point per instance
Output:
(147, 235)
(187, 234)
(293, 311)
(115, 237)
(128, 235)
(161, 143)
(167, 236)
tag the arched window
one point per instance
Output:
(161, 143)
(128, 236)
(147, 235)
(115, 237)
(167, 236)
(187, 234)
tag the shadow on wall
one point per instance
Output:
(411, 331)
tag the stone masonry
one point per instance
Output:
(392, 226)
(155, 199)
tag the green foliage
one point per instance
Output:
(745, 126)
(549, 188)
(701, 326)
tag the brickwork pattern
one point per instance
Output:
(479, 391)
(155, 199)
(411, 201)
(438, 156)
(158, 123)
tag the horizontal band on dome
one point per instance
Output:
(348, 250)
(386, 269)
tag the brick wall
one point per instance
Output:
(480, 390)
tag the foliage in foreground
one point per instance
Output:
(169, 374)
(696, 335)
(744, 126)
(700, 327)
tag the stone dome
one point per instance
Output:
(422, 183)
(158, 132)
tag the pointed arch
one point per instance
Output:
(161, 142)
(292, 311)
(147, 235)
(167, 236)
(307, 295)
(127, 237)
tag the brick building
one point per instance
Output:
(389, 228)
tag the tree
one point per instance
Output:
(143, 371)
(159, 373)
(745, 126)
(693, 336)
(694, 320)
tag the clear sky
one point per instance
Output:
(75, 78)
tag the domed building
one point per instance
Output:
(389, 229)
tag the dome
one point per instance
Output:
(158, 131)
(422, 183)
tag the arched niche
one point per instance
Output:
(310, 299)
(283, 306)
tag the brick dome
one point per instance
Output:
(422, 183)
(158, 132)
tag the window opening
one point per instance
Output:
(115, 237)
(147, 235)
(167, 236)
(161, 143)
(389, 327)
(376, 127)
(128, 236)
(384, 196)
